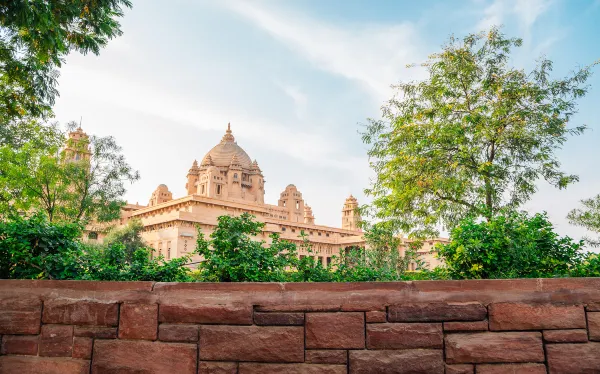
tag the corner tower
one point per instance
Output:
(350, 216)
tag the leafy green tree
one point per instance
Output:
(41, 176)
(130, 236)
(471, 139)
(232, 255)
(511, 245)
(35, 37)
(588, 217)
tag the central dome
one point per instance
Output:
(222, 154)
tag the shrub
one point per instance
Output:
(512, 245)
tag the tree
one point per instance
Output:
(129, 236)
(473, 138)
(588, 217)
(35, 36)
(47, 178)
(510, 245)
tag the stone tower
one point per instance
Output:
(350, 216)
(78, 146)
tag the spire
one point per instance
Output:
(228, 137)
(207, 161)
(255, 166)
(235, 163)
(195, 164)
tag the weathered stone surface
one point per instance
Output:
(376, 317)
(250, 368)
(593, 307)
(316, 307)
(20, 316)
(252, 343)
(436, 312)
(42, 365)
(74, 312)
(20, 345)
(573, 358)
(213, 367)
(344, 330)
(278, 319)
(460, 369)
(138, 321)
(328, 356)
(565, 336)
(428, 361)
(520, 316)
(56, 341)
(511, 369)
(213, 314)
(82, 347)
(466, 326)
(131, 356)
(593, 319)
(490, 347)
(96, 332)
(178, 333)
(404, 335)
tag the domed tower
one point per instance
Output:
(160, 195)
(78, 146)
(227, 172)
(350, 216)
(291, 199)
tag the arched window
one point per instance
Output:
(93, 236)
(235, 175)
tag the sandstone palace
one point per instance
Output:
(228, 182)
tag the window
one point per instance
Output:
(284, 203)
(160, 248)
(319, 234)
(77, 157)
(311, 232)
(218, 189)
(327, 235)
(168, 250)
(93, 235)
(328, 261)
(297, 205)
(293, 230)
(283, 229)
(235, 175)
(321, 260)
(202, 189)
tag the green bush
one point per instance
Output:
(512, 245)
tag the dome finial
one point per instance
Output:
(228, 137)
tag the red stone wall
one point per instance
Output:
(501, 326)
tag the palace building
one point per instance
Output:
(227, 182)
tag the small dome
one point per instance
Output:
(162, 187)
(222, 154)
(290, 186)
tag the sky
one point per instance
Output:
(298, 79)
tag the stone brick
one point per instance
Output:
(249, 368)
(565, 336)
(428, 361)
(520, 316)
(212, 367)
(404, 335)
(178, 333)
(72, 312)
(593, 307)
(82, 347)
(466, 326)
(290, 308)
(573, 358)
(42, 365)
(56, 341)
(20, 345)
(345, 330)
(278, 319)
(252, 343)
(138, 321)
(593, 319)
(20, 316)
(210, 314)
(511, 369)
(460, 369)
(328, 356)
(436, 312)
(490, 347)
(96, 332)
(376, 317)
(139, 356)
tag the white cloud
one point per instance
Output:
(375, 55)
(300, 99)
(526, 13)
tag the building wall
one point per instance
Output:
(480, 326)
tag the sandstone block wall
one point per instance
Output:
(454, 327)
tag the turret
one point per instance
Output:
(292, 200)
(350, 215)
(308, 215)
(192, 178)
(78, 146)
(160, 195)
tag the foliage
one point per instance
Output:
(512, 245)
(588, 217)
(231, 255)
(41, 176)
(35, 36)
(473, 138)
(129, 236)
(588, 267)
(33, 248)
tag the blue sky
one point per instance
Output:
(297, 80)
